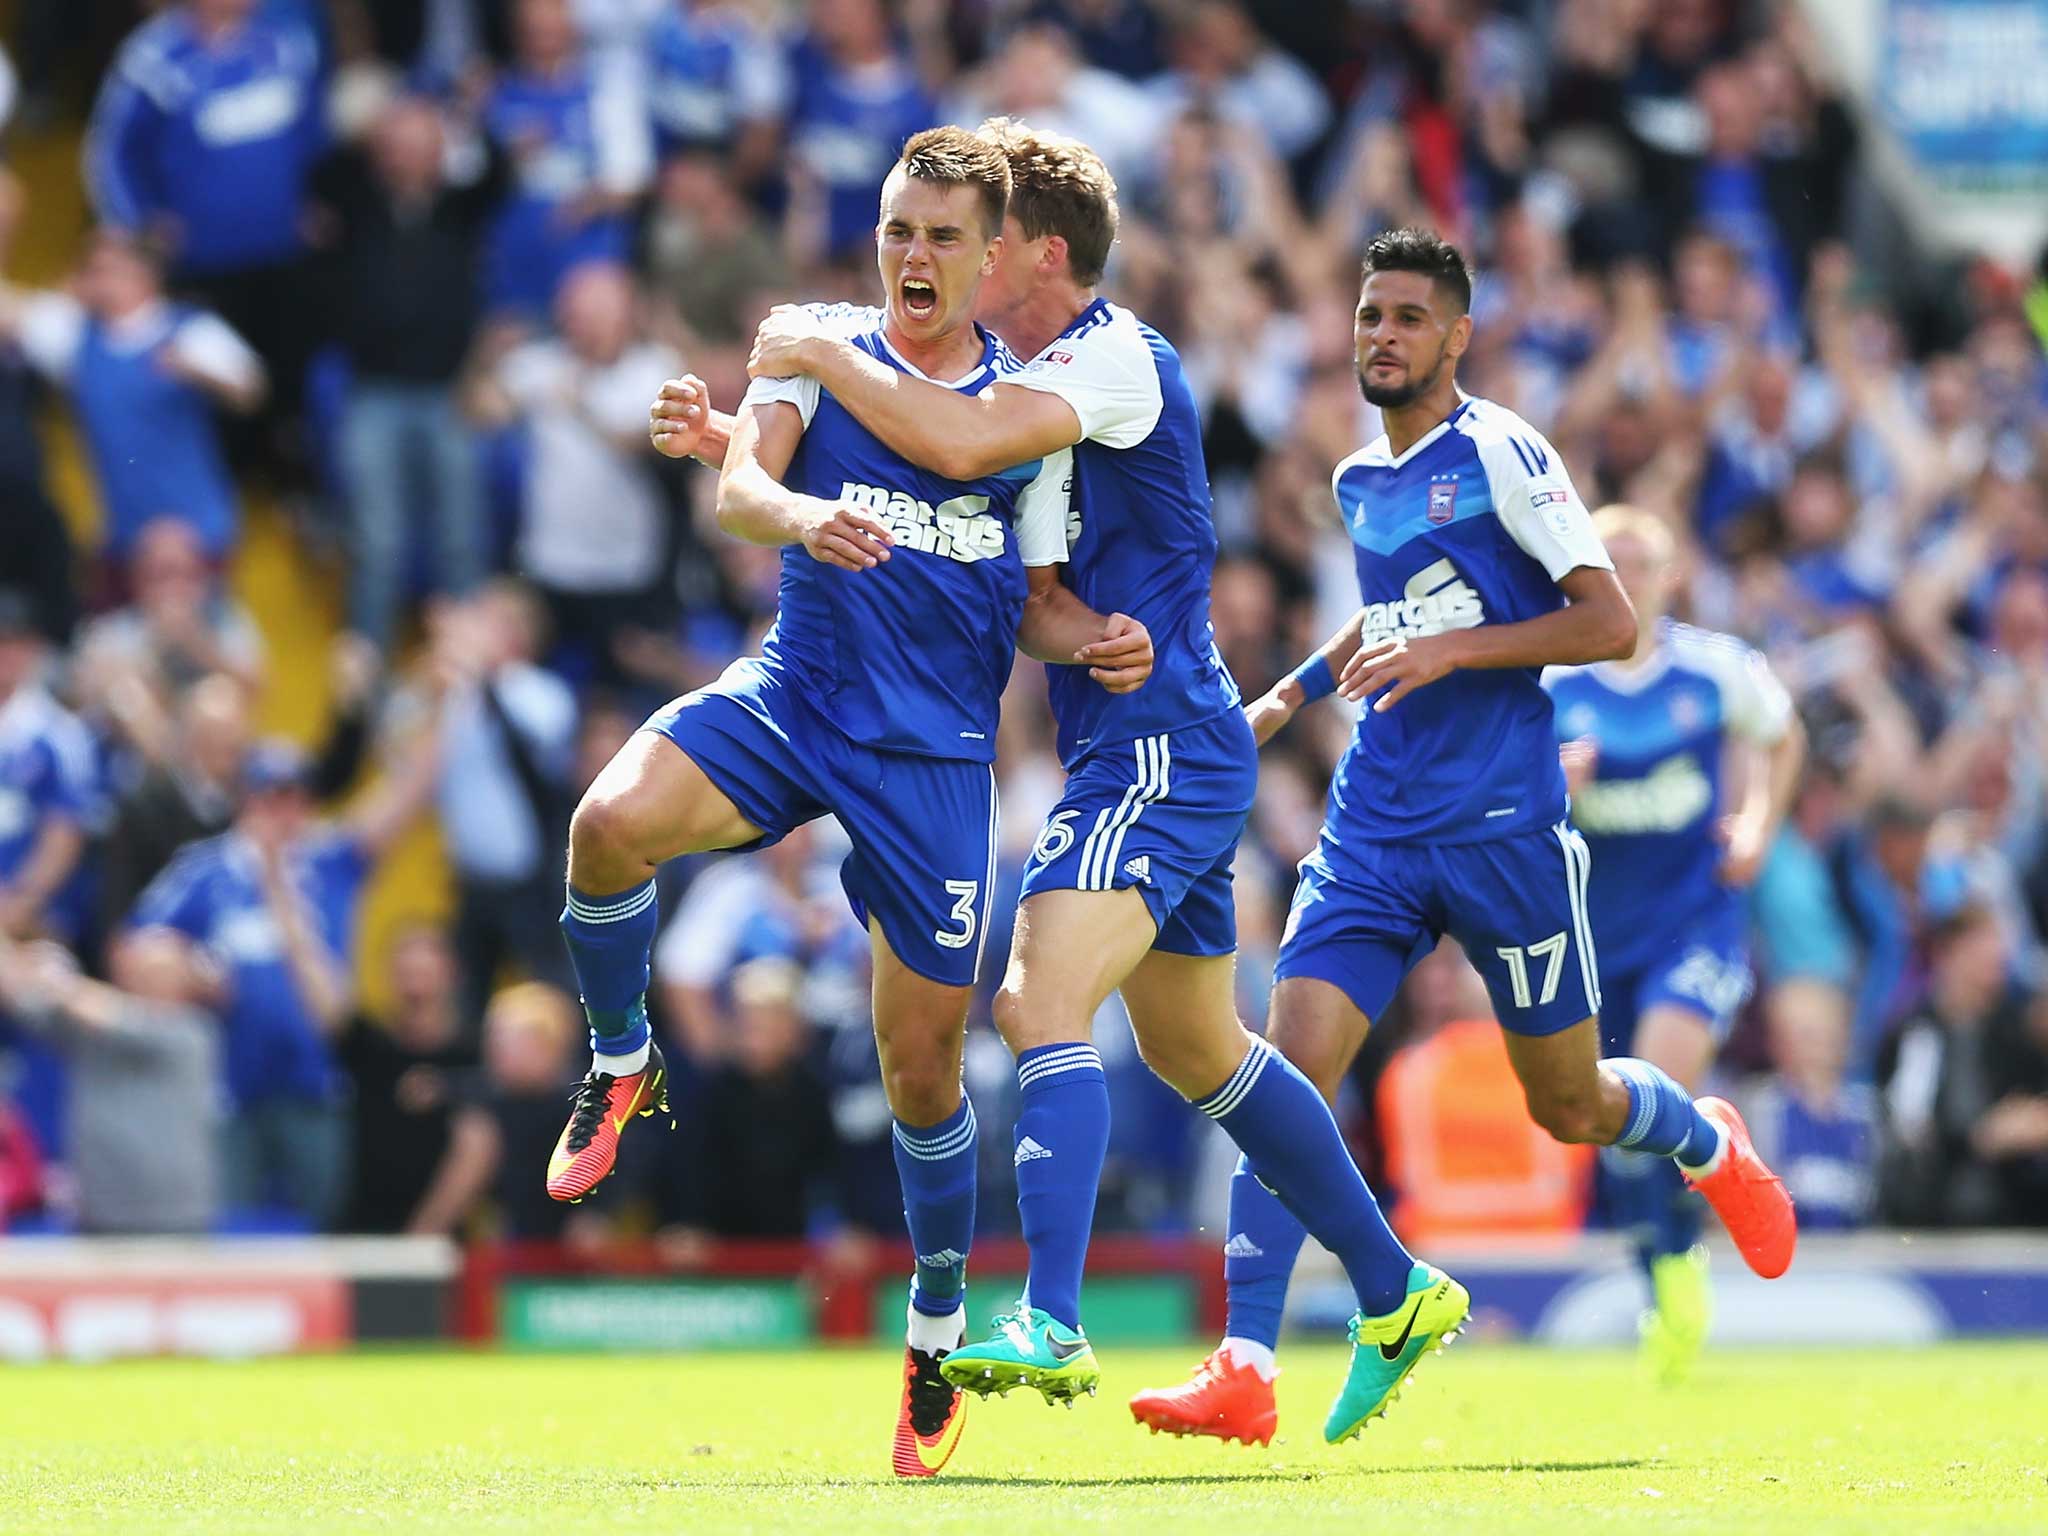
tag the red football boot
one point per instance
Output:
(1751, 1201)
(605, 1105)
(929, 1418)
(1222, 1398)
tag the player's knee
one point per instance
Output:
(921, 1091)
(603, 835)
(1567, 1117)
(1027, 1019)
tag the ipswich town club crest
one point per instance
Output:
(1443, 498)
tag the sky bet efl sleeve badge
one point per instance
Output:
(1443, 498)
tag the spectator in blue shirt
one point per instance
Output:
(854, 98)
(716, 81)
(45, 778)
(146, 377)
(45, 795)
(275, 901)
(205, 132)
(578, 140)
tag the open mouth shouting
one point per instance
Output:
(920, 298)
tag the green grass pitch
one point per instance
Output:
(1490, 1438)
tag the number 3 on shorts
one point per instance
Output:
(964, 893)
(1517, 959)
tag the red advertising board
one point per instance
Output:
(231, 1315)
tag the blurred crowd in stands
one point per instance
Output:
(403, 275)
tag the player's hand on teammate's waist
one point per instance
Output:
(1580, 760)
(1399, 666)
(1271, 710)
(845, 536)
(677, 419)
(779, 343)
(1122, 659)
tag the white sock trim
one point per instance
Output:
(620, 1066)
(1713, 1162)
(1252, 1353)
(936, 1334)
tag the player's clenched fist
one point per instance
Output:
(845, 536)
(677, 419)
(1122, 659)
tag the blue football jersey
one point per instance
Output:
(46, 773)
(1475, 524)
(1139, 532)
(1662, 727)
(911, 656)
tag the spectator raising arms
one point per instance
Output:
(146, 376)
(275, 901)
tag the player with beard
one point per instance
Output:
(1478, 566)
(1129, 885)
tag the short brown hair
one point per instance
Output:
(956, 158)
(1059, 186)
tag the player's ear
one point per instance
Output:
(1460, 337)
(1056, 250)
(991, 256)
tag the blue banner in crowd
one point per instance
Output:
(1964, 85)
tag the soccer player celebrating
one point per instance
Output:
(1129, 884)
(875, 700)
(1478, 566)
(1651, 745)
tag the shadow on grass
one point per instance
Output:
(1165, 1479)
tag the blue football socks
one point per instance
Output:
(936, 1166)
(609, 940)
(1062, 1136)
(1258, 1258)
(1291, 1140)
(1661, 1115)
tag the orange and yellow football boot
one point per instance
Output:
(1751, 1201)
(930, 1417)
(605, 1105)
(1223, 1398)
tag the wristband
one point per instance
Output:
(1316, 679)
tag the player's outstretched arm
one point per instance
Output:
(962, 437)
(683, 425)
(1315, 678)
(754, 504)
(1597, 623)
(1058, 627)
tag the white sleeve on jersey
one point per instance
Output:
(1753, 701)
(1042, 511)
(1107, 375)
(1535, 500)
(801, 392)
(843, 321)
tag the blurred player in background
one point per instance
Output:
(1478, 566)
(1129, 884)
(1682, 761)
(875, 699)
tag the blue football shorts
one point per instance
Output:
(923, 828)
(1161, 814)
(1366, 912)
(1703, 969)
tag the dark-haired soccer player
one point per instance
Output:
(1477, 566)
(875, 700)
(1129, 885)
